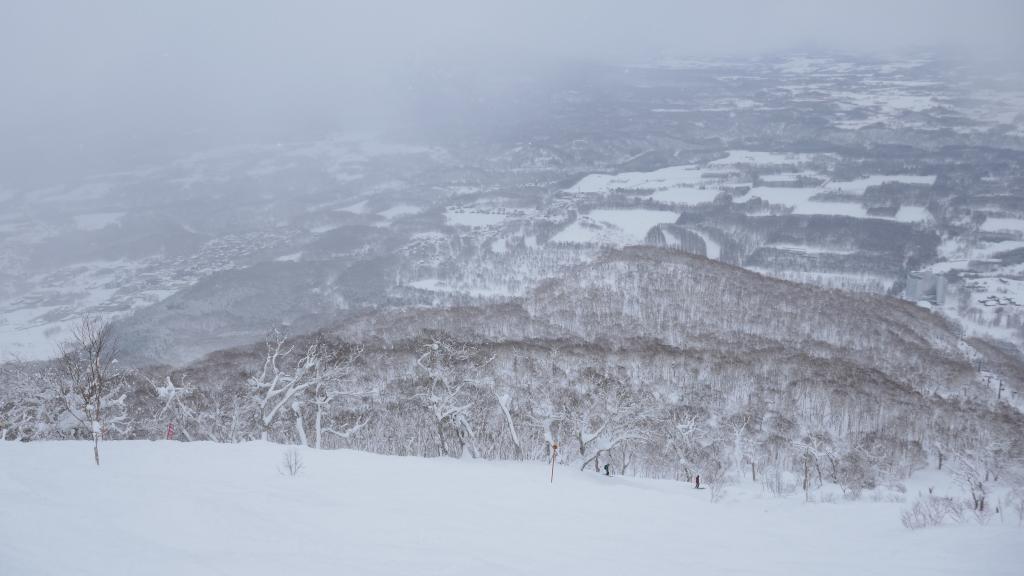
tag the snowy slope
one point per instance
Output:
(174, 508)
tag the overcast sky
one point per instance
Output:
(80, 77)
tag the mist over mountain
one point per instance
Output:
(109, 86)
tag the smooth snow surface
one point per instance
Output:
(617, 227)
(400, 210)
(685, 195)
(760, 158)
(663, 179)
(293, 257)
(436, 285)
(1003, 225)
(97, 220)
(805, 249)
(177, 509)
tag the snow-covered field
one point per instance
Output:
(663, 179)
(1003, 225)
(473, 219)
(800, 200)
(437, 285)
(860, 185)
(618, 227)
(171, 508)
(760, 158)
(685, 186)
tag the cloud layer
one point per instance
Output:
(113, 73)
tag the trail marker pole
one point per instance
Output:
(554, 454)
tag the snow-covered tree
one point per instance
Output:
(89, 382)
(448, 369)
(331, 373)
(278, 387)
(30, 404)
(504, 401)
(970, 475)
(176, 404)
(605, 412)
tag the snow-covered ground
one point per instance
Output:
(616, 227)
(800, 199)
(803, 249)
(473, 219)
(687, 186)
(712, 249)
(1003, 225)
(436, 285)
(167, 508)
(685, 195)
(760, 158)
(860, 185)
(97, 220)
(663, 179)
(400, 210)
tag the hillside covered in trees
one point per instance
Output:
(656, 362)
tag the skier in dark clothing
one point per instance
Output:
(607, 472)
(697, 482)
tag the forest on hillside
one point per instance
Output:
(656, 363)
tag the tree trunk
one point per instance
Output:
(516, 447)
(97, 429)
(442, 448)
(319, 427)
(300, 428)
(589, 460)
(462, 441)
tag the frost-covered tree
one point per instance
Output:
(971, 478)
(176, 400)
(331, 374)
(278, 386)
(448, 369)
(504, 400)
(30, 405)
(604, 413)
(88, 380)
